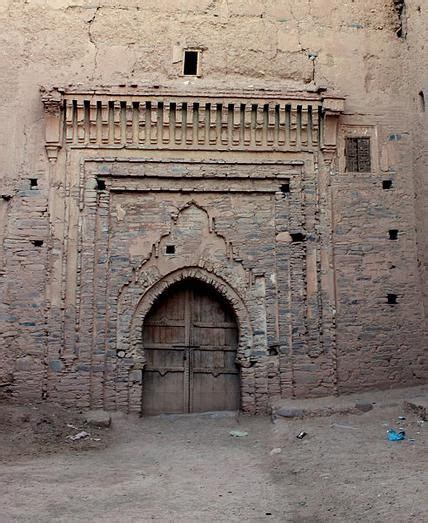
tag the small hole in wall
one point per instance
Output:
(273, 350)
(170, 249)
(285, 188)
(392, 299)
(422, 101)
(190, 65)
(37, 243)
(33, 183)
(387, 184)
(393, 234)
(101, 185)
(297, 237)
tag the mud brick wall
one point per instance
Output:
(75, 256)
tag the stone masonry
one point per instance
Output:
(288, 172)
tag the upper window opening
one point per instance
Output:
(358, 155)
(422, 101)
(191, 63)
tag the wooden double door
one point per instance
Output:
(190, 339)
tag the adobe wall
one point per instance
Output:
(417, 33)
(351, 49)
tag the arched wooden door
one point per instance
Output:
(190, 338)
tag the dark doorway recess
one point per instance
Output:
(190, 339)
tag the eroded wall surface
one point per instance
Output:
(351, 48)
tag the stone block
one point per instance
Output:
(363, 406)
(98, 418)
(418, 406)
(290, 412)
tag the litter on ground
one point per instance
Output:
(238, 433)
(79, 435)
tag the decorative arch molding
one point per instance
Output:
(188, 273)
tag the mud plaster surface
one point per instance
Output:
(191, 469)
(349, 46)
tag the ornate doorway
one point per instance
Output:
(190, 338)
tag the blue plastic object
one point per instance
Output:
(393, 435)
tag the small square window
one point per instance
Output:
(285, 188)
(191, 63)
(392, 299)
(170, 249)
(358, 155)
(393, 234)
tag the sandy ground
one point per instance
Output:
(189, 468)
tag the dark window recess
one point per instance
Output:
(358, 156)
(37, 243)
(170, 249)
(393, 234)
(392, 299)
(101, 185)
(387, 184)
(285, 188)
(190, 67)
(422, 101)
(297, 237)
(33, 183)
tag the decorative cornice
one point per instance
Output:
(167, 118)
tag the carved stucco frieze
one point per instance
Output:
(165, 119)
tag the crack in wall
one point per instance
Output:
(92, 40)
(401, 10)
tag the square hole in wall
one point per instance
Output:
(101, 185)
(170, 249)
(37, 243)
(285, 188)
(392, 299)
(387, 184)
(34, 183)
(393, 234)
(297, 237)
(191, 63)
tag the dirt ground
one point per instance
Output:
(189, 468)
